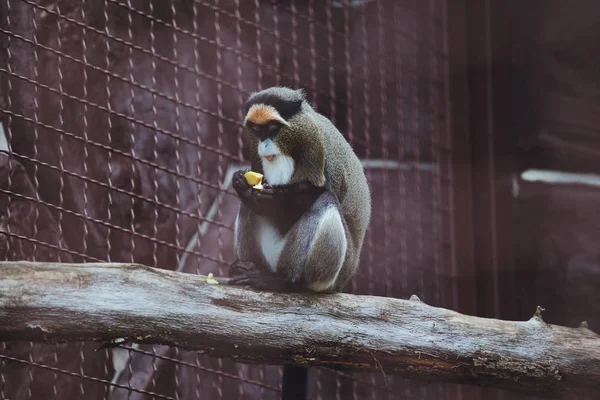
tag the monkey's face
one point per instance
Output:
(270, 130)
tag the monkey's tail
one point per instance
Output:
(293, 386)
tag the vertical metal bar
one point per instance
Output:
(313, 50)
(384, 142)
(422, 288)
(277, 44)
(495, 287)
(36, 182)
(107, 388)
(3, 364)
(261, 376)
(463, 293)
(296, 72)
(349, 114)
(439, 154)
(178, 132)
(132, 110)
(319, 377)
(330, 58)
(129, 372)
(258, 43)
(30, 370)
(367, 129)
(402, 182)
(108, 132)
(220, 135)
(85, 135)
(154, 136)
(198, 380)
(501, 15)
(177, 169)
(81, 364)
(154, 180)
(197, 91)
(55, 375)
(220, 145)
(61, 123)
(348, 61)
(416, 128)
(239, 76)
(438, 148)
(491, 144)
(367, 139)
(7, 131)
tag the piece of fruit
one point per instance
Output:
(211, 280)
(253, 178)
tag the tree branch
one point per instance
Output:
(68, 302)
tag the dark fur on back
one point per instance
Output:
(286, 101)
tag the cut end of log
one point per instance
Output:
(415, 298)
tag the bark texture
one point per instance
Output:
(51, 302)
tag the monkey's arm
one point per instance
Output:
(277, 202)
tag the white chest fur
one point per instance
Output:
(271, 243)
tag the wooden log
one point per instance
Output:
(50, 302)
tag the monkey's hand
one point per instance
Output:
(241, 186)
(257, 201)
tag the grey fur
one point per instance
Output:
(323, 157)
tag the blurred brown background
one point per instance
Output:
(123, 127)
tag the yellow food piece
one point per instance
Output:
(211, 280)
(258, 187)
(253, 178)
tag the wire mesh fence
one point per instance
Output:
(123, 120)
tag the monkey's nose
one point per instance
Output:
(269, 158)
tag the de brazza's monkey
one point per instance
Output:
(304, 230)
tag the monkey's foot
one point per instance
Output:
(241, 267)
(264, 281)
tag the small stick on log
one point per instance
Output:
(49, 302)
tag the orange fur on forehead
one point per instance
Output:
(261, 114)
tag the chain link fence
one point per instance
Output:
(123, 127)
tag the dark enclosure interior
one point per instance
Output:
(122, 121)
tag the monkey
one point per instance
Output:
(303, 232)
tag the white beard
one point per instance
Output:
(279, 171)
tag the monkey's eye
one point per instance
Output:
(254, 128)
(273, 126)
